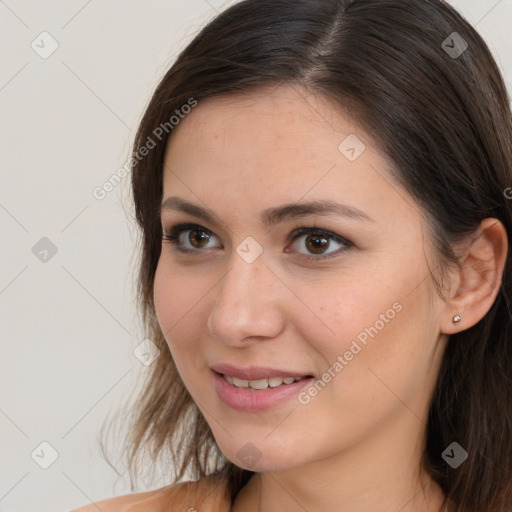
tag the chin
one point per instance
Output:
(262, 456)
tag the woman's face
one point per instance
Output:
(348, 303)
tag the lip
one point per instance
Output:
(251, 401)
(255, 372)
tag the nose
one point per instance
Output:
(248, 303)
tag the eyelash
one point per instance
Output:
(172, 234)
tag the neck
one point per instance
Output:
(384, 475)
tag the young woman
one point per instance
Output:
(323, 190)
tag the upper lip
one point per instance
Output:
(255, 372)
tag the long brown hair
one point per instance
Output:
(423, 83)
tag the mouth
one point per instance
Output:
(256, 395)
(261, 384)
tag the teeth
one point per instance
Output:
(240, 383)
(259, 384)
(273, 382)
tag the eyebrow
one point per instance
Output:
(272, 216)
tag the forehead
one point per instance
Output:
(286, 117)
(269, 129)
(275, 146)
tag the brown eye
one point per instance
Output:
(198, 238)
(316, 244)
(317, 241)
(188, 237)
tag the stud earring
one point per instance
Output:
(456, 319)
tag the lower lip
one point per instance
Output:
(248, 401)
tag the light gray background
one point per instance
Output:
(69, 324)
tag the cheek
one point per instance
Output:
(375, 312)
(181, 305)
(177, 293)
(339, 312)
(176, 301)
(358, 326)
(385, 341)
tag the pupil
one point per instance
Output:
(317, 242)
(194, 238)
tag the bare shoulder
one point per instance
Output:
(125, 503)
(206, 495)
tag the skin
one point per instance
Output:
(356, 446)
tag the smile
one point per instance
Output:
(260, 384)
(256, 395)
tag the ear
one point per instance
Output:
(479, 280)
